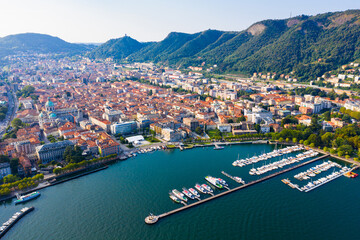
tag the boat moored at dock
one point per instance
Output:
(281, 163)
(27, 197)
(214, 181)
(194, 192)
(175, 199)
(265, 156)
(200, 188)
(188, 193)
(207, 188)
(179, 195)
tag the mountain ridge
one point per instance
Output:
(38, 43)
(299, 44)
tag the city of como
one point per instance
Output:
(179, 120)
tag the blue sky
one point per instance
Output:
(145, 20)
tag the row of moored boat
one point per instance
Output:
(281, 163)
(193, 193)
(314, 184)
(265, 156)
(316, 170)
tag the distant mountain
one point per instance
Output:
(306, 45)
(117, 48)
(38, 43)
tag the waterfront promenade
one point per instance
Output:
(154, 219)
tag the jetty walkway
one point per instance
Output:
(153, 219)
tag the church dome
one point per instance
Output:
(52, 115)
(49, 103)
(41, 115)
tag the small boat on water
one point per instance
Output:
(207, 188)
(200, 188)
(351, 175)
(188, 193)
(175, 199)
(27, 197)
(179, 195)
(239, 180)
(214, 181)
(222, 182)
(194, 192)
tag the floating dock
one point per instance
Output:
(231, 177)
(328, 180)
(152, 219)
(2, 233)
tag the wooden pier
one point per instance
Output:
(156, 218)
(232, 178)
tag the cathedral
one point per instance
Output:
(56, 117)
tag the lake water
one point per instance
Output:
(112, 204)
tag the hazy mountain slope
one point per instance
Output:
(38, 43)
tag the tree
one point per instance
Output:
(4, 159)
(67, 152)
(199, 130)
(327, 138)
(2, 116)
(257, 127)
(14, 163)
(314, 138)
(240, 119)
(57, 171)
(10, 178)
(73, 154)
(346, 118)
(288, 120)
(26, 91)
(327, 116)
(315, 126)
(16, 122)
(346, 149)
(51, 138)
(150, 93)
(294, 140)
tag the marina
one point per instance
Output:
(316, 170)
(266, 156)
(152, 219)
(315, 184)
(13, 220)
(178, 169)
(281, 163)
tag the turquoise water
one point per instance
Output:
(112, 204)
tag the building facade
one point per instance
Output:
(4, 170)
(52, 151)
(123, 128)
